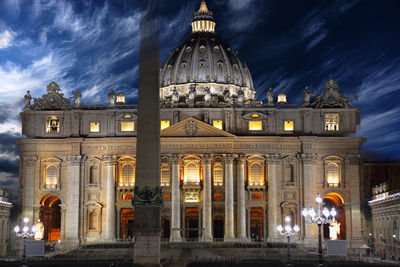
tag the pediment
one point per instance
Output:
(193, 128)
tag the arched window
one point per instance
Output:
(256, 177)
(332, 174)
(51, 177)
(218, 175)
(93, 220)
(93, 174)
(165, 175)
(128, 175)
(192, 173)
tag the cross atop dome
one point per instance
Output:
(203, 19)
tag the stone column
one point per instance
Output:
(352, 175)
(229, 216)
(72, 175)
(309, 172)
(274, 176)
(118, 222)
(29, 187)
(110, 227)
(264, 224)
(175, 200)
(248, 223)
(241, 203)
(200, 231)
(207, 201)
(63, 220)
(183, 224)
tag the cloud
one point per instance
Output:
(239, 4)
(6, 39)
(316, 40)
(383, 79)
(243, 15)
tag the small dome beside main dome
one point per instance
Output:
(205, 61)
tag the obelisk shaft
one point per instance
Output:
(147, 224)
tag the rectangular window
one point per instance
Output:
(255, 125)
(94, 127)
(288, 126)
(164, 124)
(127, 126)
(217, 124)
(331, 122)
(52, 124)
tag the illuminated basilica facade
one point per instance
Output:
(232, 168)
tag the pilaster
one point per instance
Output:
(352, 175)
(72, 175)
(274, 176)
(28, 173)
(309, 165)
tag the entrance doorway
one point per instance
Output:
(256, 223)
(127, 218)
(50, 216)
(191, 223)
(218, 228)
(166, 228)
(337, 229)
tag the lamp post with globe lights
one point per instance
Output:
(288, 232)
(25, 233)
(320, 217)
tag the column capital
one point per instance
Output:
(308, 158)
(229, 157)
(30, 160)
(241, 158)
(165, 159)
(74, 159)
(175, 158)
(273, 158)
(109, 159)
(207, 158)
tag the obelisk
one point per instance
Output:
(147, 198)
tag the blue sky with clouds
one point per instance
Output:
(93, 46)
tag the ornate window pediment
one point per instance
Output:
(52, 100)
(332, 97)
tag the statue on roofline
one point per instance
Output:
(270, 96)
(111, 98)
(77, 98)
(27, 98)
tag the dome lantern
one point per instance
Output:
(203, 19)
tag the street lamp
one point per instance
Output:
(319, 217)
(25, 233)
(288, 232)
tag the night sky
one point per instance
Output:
(287, 45)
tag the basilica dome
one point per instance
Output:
(206, 63)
